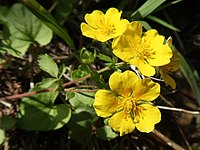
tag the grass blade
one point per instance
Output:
(192, 77)
(147, 8)
(166, 5)
(162, 22)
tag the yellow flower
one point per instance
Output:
(170, 68)
(103, 27)
(128, 104)
(143, 51)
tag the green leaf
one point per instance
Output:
(78, 133)
(65, 7)
(22, 29)
(84, 113)
(83, 117)
(147, 8)
(192, 77)
(48, 65)
(62, 70)
(104, 58)
(47, 82)
(24, 25)
(48, 19)
(15, 47)
(39, 112)
(2, 136)
(82, 99)
(162, 22)
(106, 133)
(69, 94)
(3, 13)
(7, 122)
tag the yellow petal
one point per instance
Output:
(149, 35)
(124, 53)
(146, 89)
(102, 38)
(133, 28)
(149, 116)
(119, 43)
(157, 41)
(168, 80)
(122, 123)
(130, 38)
(174, 63)
(122, 83)
(143, 66)
(125, 41)
(106, 103)
(146, 69)
(120, 27)
(88, 31)
(95, 34)
(113, 16)
(162, 56)
(124, 47)
(96, 19)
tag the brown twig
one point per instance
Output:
(83, 90)
(168, 141)
(18, 96)
(77, 80)
(185, 139)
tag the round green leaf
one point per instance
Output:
(106, 133)
(21, 29)
(44, 118)
(83, 117)
(2, 136)
(7, 122)
(25, 26)
(38, 112)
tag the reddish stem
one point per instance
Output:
(19, 96)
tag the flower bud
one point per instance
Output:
(87, 57)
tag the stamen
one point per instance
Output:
(139, 114)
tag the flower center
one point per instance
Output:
(129, 107)
(106, 28)
(145, 53)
